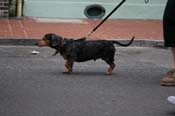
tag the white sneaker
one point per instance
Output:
(171, 99)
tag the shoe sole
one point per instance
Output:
(167, 84)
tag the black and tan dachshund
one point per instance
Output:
(80, 50)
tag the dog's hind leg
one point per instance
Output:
(109, 72)
(112, 66)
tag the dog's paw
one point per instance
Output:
(108, 73)
(67, 72)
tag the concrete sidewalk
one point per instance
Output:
(30, 28)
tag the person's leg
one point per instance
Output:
(173, 57)
(169, 40)
(169, 78)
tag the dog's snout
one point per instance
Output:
(41, 43)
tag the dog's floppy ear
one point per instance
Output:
(54, 39)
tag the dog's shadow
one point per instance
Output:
(84, 74)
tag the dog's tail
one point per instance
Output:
(121, 44)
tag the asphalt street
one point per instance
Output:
(34, 85)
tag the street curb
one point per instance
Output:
(31, 42)
(18, 42)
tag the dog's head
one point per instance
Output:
(51, 40)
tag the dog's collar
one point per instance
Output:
(62, 42)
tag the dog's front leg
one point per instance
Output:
(56, 52)
(69, 66)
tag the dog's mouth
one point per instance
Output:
(42, 43)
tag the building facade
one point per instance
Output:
(131, 9)
(4, 8)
